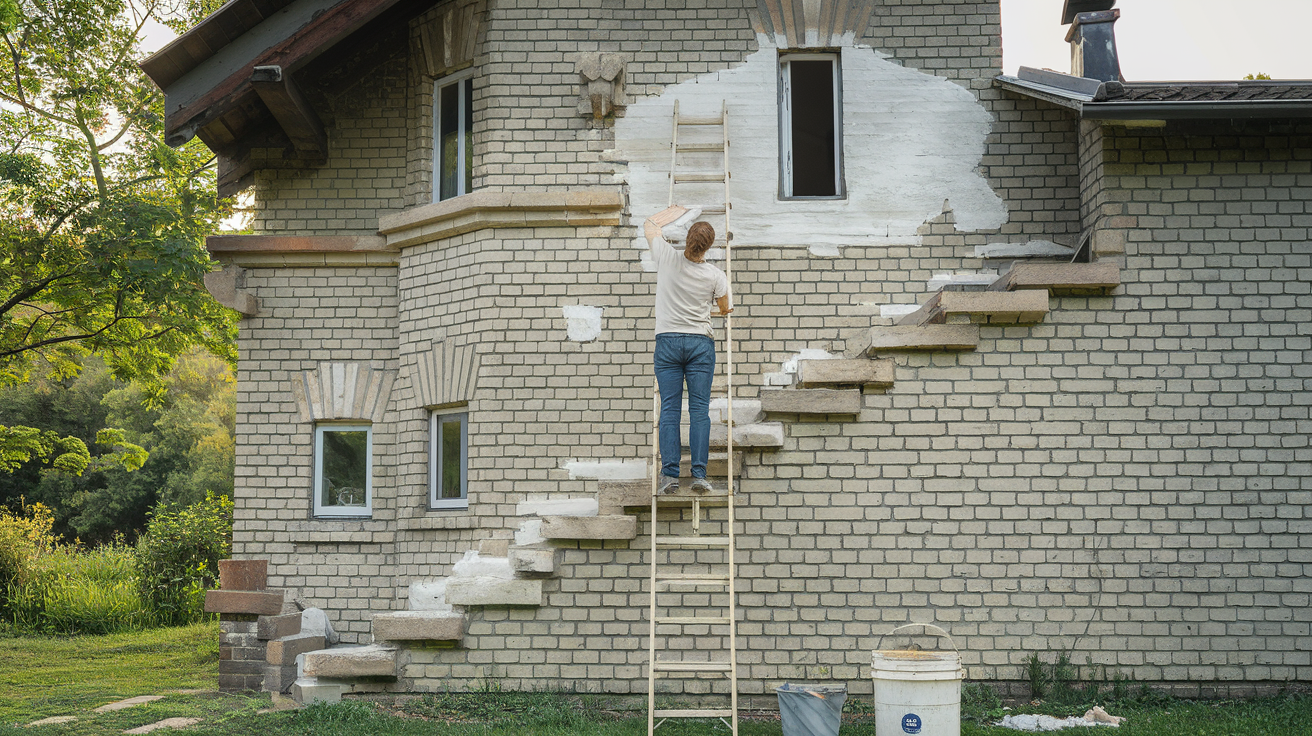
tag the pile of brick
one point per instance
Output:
(258, 642)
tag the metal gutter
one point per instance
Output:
(1087, 109)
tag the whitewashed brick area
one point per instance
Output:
(1129, 478)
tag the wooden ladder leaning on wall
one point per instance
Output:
(670, 579)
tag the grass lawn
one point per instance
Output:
(42, 677)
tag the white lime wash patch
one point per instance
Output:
(910, 141)
(582, 323)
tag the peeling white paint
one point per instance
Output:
(979, 279)
(582, 323)
(474, 565)
(612, 470)
(910, 141)
(1032, 249)
(897, 311)
(530, 532)
(542, 506)
(428, 595)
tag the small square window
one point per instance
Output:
(810, 126)
(449, 460)
(453, 144)
(343, 470)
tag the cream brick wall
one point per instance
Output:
(1128, 479)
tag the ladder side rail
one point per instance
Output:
(729, 521)
(674, 152)
(651, 614)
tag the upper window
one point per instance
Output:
(343, 459)
(448, 435)
(810, 126)
(453, 121)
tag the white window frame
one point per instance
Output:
(320, 510)
(435, 417)
(457, 79)
(786, 125)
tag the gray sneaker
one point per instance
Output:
(701, 485)
(668, 485)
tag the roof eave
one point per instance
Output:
(1086, 109)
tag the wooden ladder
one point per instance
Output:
(669, 579)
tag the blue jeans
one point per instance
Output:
(682, 357)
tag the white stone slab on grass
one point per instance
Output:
(166, 723)
(128, 703)
(52, 721)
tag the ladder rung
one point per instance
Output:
(701, 147)
(693, 580)
(691, 667)
(692, 620)
(705, 713)
(713, 210)
(698, 177)
(694, 541)
(701, 121)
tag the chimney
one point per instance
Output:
(1093, 39)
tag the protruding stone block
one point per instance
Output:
(1061, 278)
(276, 627)
(859, 372)
(485, 591)
(243, 574)
(374, 660)
(243, 601)
(981, 307)
(811, 401)
(283, 651)
(923, 337)
(588, 527)
(760, 436)
(227, 287)
(533, 559)
(309, 690)
(419, 626)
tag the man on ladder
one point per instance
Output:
(686, 285)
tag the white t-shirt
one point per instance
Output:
(684, 291)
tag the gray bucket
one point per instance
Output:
(811, 710)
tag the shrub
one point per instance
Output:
(74, 591)
(178, 557)
(23, 537)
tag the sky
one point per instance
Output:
(1172, 39)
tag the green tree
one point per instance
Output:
(102, 225)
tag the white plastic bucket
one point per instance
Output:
(917, 693)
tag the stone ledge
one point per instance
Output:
(1061, 278)
(243, 601)
(589, 527)
(859, 372)
(488, 591)
(350, 662)
(811, 401)
(486, 209)
(439, 520)
(982, 307)
(419, 626)
(266, 251)
(922, 337)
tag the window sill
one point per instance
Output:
(439, 521)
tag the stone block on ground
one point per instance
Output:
(166, 723)
(488, 591)
(533, 559)
(418, 626)
(811, 401)
(243, 601)
(53, 721)
(588, 527)
(278, 678)
(310, 690)
(344, 662)
(922, 337)
(243, 574)
(127, 703)
(283, 651)
(276, 627)
(858, 372)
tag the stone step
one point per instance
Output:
(489, 591)
(756, 436)
(922, 337)
(1061, 278)
(418, 626)
(858, 372)
(811, 401)
(636, 494)
(276, 627)
(267, 603)
(283, 651)
(534, 558)
(981, 307)
(588, 527)
(345, 662)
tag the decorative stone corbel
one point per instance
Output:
(446, 374)
(342, 391)
(227, 287)
(602, 85)
(448, 36)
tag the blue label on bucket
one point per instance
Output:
(911, 723)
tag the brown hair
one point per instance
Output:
(700, 238)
